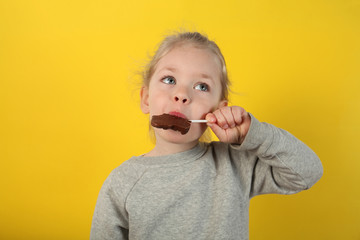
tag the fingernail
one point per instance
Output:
(225, 126)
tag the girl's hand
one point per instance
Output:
(230, 124)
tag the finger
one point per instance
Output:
(227, 113)
(220, 119)
(237, 113)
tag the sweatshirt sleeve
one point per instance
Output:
(282, 163)
(110, 219)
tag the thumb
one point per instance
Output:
(218, 131)
(210, 118)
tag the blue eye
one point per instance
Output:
(168, 80)
(202, 87)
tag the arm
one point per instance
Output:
(283, 163)
(280, 162)
(110, 217)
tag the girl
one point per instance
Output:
(184, 188)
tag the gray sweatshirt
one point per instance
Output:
(202, 193)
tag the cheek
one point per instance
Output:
(157, 96)
(212, 103)
(206, 107)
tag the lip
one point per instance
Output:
(178, 114)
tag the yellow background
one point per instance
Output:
(69, 106)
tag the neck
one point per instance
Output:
(166, 148)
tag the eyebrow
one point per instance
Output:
(203, 75)
(172, 69)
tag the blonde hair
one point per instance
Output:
(197, 40)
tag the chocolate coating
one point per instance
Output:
(167, 121)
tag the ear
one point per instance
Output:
(223, 103)
(144, 98)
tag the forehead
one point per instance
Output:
(192, 59)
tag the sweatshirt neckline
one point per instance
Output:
(176, 158)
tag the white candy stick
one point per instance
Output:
(199, 121)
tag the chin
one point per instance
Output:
(178, 138)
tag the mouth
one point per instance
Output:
(171, 121)
(178, 114)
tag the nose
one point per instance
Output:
(180, 99)
(181, 96)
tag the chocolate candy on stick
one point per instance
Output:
(167, 121)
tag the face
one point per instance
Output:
(186, 83)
